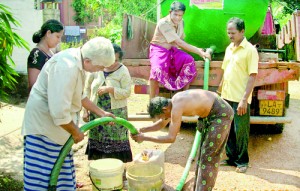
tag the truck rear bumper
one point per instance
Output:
(147, 118)
(269, 120)
(253, 119)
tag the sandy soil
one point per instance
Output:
(274, 159)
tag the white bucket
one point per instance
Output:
(107, 174)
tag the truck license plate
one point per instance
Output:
(271, 107)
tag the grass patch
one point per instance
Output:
(9, 183)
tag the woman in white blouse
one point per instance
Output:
(109, 89)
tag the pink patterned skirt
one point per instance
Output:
(173, 68)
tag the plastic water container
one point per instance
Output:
(151, 156)
(107, 174)
(145, 177)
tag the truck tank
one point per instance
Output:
(206, 26)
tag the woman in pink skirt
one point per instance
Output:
(170, 66)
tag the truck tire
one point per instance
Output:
(277, 128)
(267, 128)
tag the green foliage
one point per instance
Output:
(289, 6)
(66, 45)
(82, 14)
(111, 13)
(291, 51)
(110, 31)
(8, 40)
(283, 9)
(87, 10)
(8, 183)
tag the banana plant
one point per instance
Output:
(8, 40)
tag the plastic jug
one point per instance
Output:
(151, 156)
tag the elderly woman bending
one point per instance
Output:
(52, 112)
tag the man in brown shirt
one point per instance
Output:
(170, 66)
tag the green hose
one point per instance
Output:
(206, 74)
(197, 136)
(68, 145)
(189, 161)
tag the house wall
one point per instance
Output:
(67, 13)
(31, 20)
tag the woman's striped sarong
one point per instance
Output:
(40, 154)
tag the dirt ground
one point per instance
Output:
(274, 159)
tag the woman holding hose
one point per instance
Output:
(52, 112)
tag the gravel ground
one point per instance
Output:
(274, 159)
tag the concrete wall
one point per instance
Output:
(31, 20)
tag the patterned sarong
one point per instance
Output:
(40, 154)
(173, 68)
(109, 141)
(215, 130)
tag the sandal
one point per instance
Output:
(241, 169)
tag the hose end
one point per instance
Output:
(211, 49)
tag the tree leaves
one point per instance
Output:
(8, 40)
(112, 11)
(282, 9)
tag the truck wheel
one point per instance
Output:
(277, 128)
(267, 129)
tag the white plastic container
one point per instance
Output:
(154, 156)
(107, 174)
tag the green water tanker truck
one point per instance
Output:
(205, 26)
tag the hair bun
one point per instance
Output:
(36, 37)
